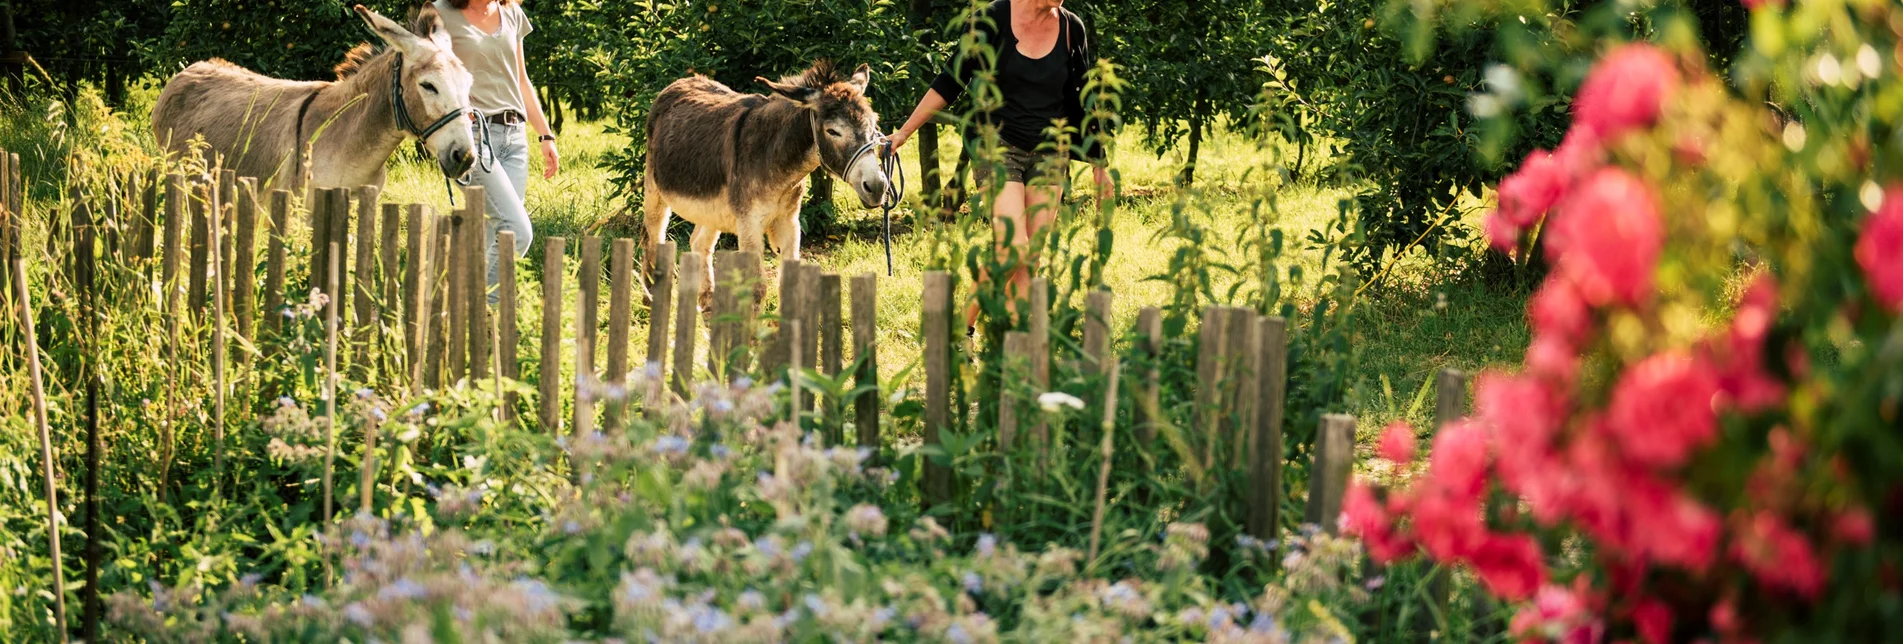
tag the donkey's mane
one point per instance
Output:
(354, 60)
(821, 75)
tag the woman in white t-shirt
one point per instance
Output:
(487, 35)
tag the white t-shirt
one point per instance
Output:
(489, 57)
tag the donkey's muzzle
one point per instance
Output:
(456, 163)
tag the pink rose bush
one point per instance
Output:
(1692, 447)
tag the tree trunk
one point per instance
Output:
(1196, 126)
(922, 22)
(552, 107)
(816, 215)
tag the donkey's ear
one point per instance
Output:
(387, 30)
(799, 94)
(861, 77)
(428, 24)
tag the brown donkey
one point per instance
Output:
(737, 163)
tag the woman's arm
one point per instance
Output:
(551, 159)
(927, 106)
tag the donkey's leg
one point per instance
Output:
(654, 222)
(702, 241)
(751, 231)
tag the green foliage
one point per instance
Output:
(99, 42)
(299, 40)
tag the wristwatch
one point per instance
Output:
(545, 137)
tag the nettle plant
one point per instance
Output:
(1703, 440)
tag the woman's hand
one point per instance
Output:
(1106, 186)
(898, 138)
(551, 159)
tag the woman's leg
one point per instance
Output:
(1006, 212)
(504, 185)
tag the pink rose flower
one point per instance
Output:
(1502, 234)
(1397, 443)
(1662, 409)
(1778, 555)
(1557, 310)
(1363, 516)
(1535, 188)
(1653, 619)
(1510, 565)
(1606, 238)
(1880, 250)
(1627, 89)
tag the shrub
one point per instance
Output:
(1699, 443)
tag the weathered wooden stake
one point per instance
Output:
(661, 305)
(216, 226)
(1016, 350)
(936, 329)
(389, 276)
(1242, 337)
(201, 203)
(865, 352)
(508, 336)
(46, 443)
(475, 268)
(1450, 405)
(245, 271)
(437, 304)
(780, 352)
(1109, 429)
(1209, 361)
(274, 258)
(831, 350)
(333, 284)
(413, 275)
(693, 272)
(175, 209)
(340, 234)
(810, 330)
(1040, 353)
(1149, 399)
(227, 250)
(455, 277)
(1328, 473)
(620, 298)
(318, 202)
(553, 252)
(1265, 469)
(586, 384)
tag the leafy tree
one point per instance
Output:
(301, 40)
(1189, 63)
(97, 42)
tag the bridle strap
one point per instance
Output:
(403, 120)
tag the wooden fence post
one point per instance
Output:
(176, 196)
(227, 202)
(1097, 331)
(587, 306)
(436, 360)
(1016, 347)
(148, 216)
(1040, 353)
(200, 202)
(1334, 457)
(363, 317)
(508, 335)
(476, 278)
(415, 238)
(721, 317)
(553, 252)
(46, 440)
(831, 350)
(1265, 469)
(693, 271)
(389, 276)
(456, 278)
(936, 329)
(216, 226)
(1209, 359)
(318, 205)
(586, 384)
(865, 351)
(1149, 397)
(780, 352)
(274, 257)
(244, 272)
(620, 300)
(810, 330)
(1243, 351)
(660, 305)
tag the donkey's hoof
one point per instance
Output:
(706, 301)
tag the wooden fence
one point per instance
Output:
(412, 306)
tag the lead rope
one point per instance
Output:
(895, 190)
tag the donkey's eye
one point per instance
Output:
(833, 132)
(428, 88)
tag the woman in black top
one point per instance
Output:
(1042, 53)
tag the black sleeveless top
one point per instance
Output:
(1033, 90)
(1036, 91)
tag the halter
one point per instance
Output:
(895, 181)
(407, 124)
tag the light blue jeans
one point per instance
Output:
(504, 185)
